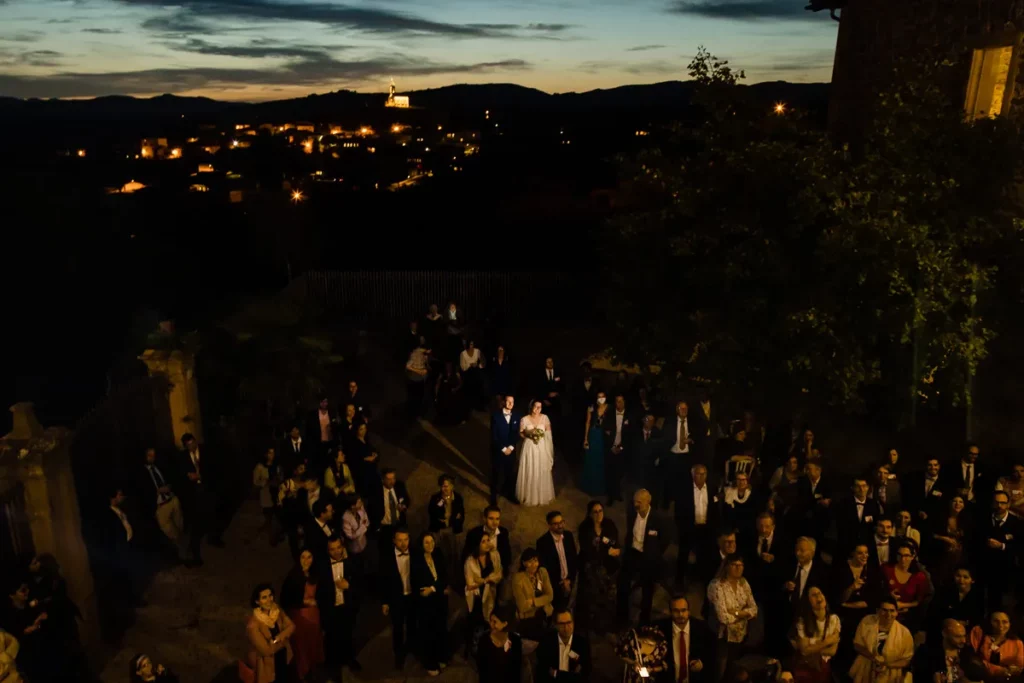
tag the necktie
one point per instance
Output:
(295, 446)
(969, 479)
(393, 506)
(998, 522)
(158, 478)
(928, 484)
(796, 580)
(684, 668)
(764, 546)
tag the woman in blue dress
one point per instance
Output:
(598, 418)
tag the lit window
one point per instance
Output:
(990, 87)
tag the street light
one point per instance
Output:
(780, 108)
(297, 196)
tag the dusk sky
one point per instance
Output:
(271, 49)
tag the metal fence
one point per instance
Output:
(389, 296)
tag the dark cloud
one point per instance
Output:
(549, 28)
(102, 31)
(742, 10)
(30, 58)
(259, 49)
(179, 25)
(194, 13)
(644, 48)
(22, 37)
(312, 72)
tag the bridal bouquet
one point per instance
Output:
(537, 434)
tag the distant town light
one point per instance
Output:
(176, 153)
(81, 154)
(780, 108)
(234, 143)
(297, 196)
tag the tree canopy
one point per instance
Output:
(753, 250)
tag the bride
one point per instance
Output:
(534, 485)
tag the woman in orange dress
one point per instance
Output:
(298, 597)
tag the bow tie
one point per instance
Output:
(334, 562)
(880, 543)
(405, 554)
(931, 478)
(860, 505)
(619, 413)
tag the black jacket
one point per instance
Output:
(391, 589)
(549, 556)
(852, 529)
(435, 511)
(701, 648)
(654, 543)
(915, 500)
(421, 576)
(580, 667)
(375, 506)
(146, 489)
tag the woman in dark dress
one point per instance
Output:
(499, 653)
(429, 577)
(946, 550)
(364, 462)
(599, 423)
(50, 590)
(448, 397)
(298, 599)
(960, 600)
(599, 567)
(856, 588)
(26, 620)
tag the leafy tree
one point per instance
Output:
(754, 251)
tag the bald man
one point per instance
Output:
(644, 543)
(941, 661)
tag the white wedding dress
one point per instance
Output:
(535, 485)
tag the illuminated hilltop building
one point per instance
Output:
(397, 101)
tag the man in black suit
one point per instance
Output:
(697, 518)
(967, 477)
(504, 437)
(617, 443)
(814, 501)
(337, 608)
(924, 493)
(398, 600)
(121, 556)
(294, 450)
(886, 491)
(355, 397)
(156, 500)
(644, 458)
(690, 645)
(500, 535)
(856, 518)
(882, 548)
(804, 571)
(767, 556)
(680, 434)
(709, 426)
(645, 542)
(558, 554)
(549, 391)
(320, 530)
(563, 654)
(996, 548)
(387, 506)
(199, 496)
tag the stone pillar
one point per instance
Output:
(178, 368)
(39, 461)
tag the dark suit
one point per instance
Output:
(199, 499)
(544, 386)
(615, 463)
(290, 455)
(580, 667)
(357, 399)
(710, 430)
(765, 577)
(916, 500)
(504, 547)
(997, 566)
(549, 560)
(375, 510)
(810, 517)
(316, 539)
(676, 466)
(893, 497)
(504, 434)
(640, 566)
(643, 473)
(701, 648)
(401, 607)
(853, 530)
(435, 512)
(699, 538)
(337, 620)
(952, 475)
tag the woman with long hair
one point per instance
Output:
(298, 598)
(595, 430)
(856, 590)
(267, 478)
(534, 483)
(269, 631)
(599, 567)
(364, 462)
(733, 607)
(483, 573)
(338, 477)
(430, 584)
(1000, 650)
(947, 548)
(815, 638)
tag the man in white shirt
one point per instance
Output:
(697, 513)
(882, 545)
(688, 641)
(645, 544)
(564, 655)
(614, 461)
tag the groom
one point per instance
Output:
(504, 437)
